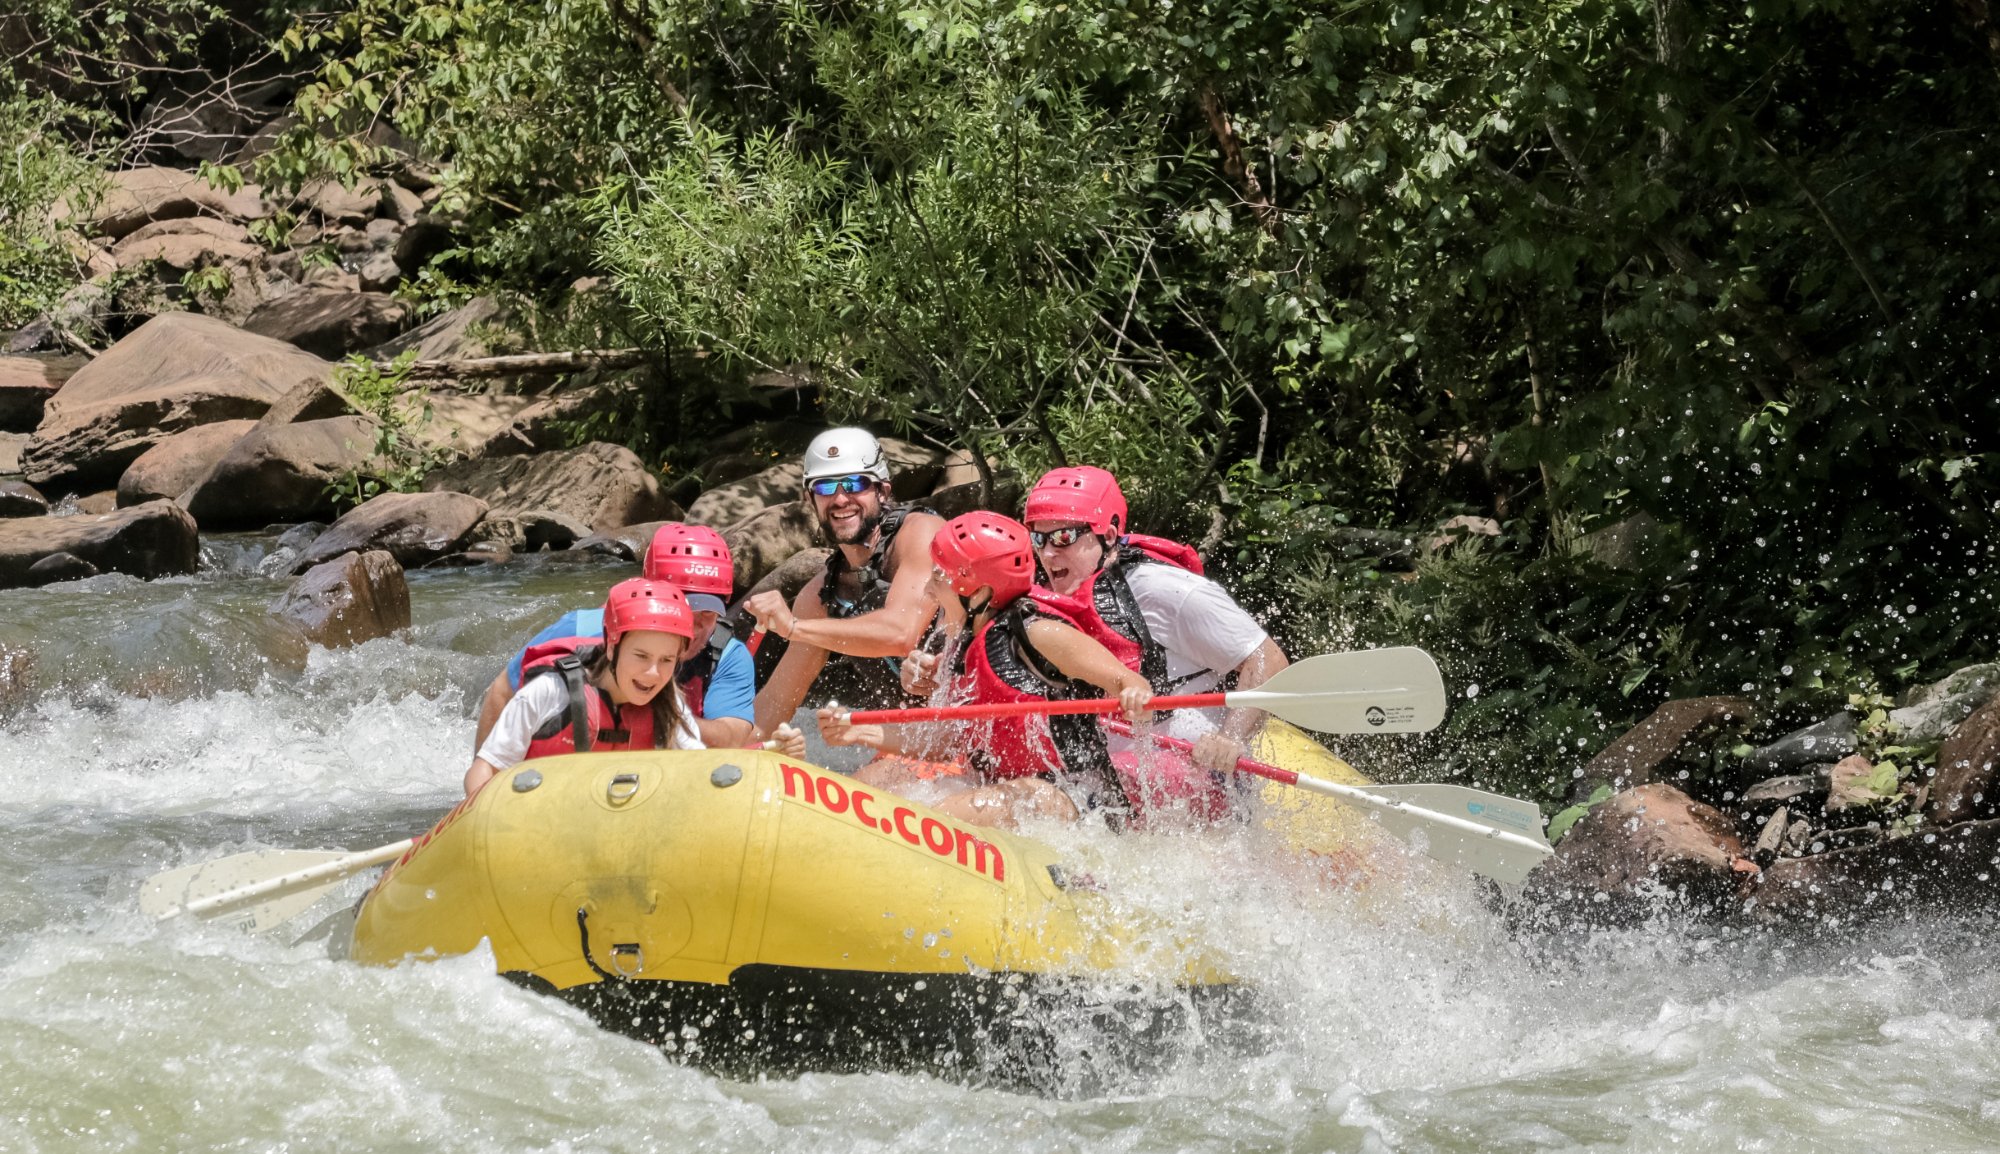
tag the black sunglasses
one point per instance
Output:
(1060, 538)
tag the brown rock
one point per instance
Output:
(531, 530)
(600, 485)
(458, 335)
(792, 576)
(173, 466)
(11, 445)
(740, 500)
(102, 501)
(1632, 759)
(1950, 868)
(1639, 845)
(174, 372)
(138, 195)
(329, 323)
(280, 472)
(353, 598)
(412, 527)
(27, 383)
(17, 667)
(59, 567)
(186, 244)
(760, 544)
(151, 540)
(20, 499)
(1963, 789)
(335, 201)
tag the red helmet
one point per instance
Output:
(694, 557)
(644, 604)
(1085, 494)
(985, 548)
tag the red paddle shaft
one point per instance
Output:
(1247, 765)
(1022, 708)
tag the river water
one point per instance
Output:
(169, 722)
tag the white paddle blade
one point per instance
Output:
(1366, 691)
(1449, 835)
(1493, 810)
(170, 893)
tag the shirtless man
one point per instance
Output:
(867, 607)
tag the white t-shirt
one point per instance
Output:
(543, 698)
(1203, 631)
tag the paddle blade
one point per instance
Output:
(1493, 810)
(171, 892)
(1502, 855)
(1367, 691)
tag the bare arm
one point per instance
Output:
(1083, 659)
(780, 697)
(724, 732)
(497, 696)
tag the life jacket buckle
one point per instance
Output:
(622, 789)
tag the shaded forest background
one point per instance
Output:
(1688, 307)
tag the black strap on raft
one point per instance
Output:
(872, 579)
(570, 668)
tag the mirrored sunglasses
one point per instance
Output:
(828, 486)
(1058, 538)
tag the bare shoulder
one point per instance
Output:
(916, 533)
(808, 603)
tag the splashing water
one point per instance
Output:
(167, 723)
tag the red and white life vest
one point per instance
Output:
(606, 727)
(1104, 608)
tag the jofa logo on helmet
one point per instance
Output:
(1375, 715)
(701, 569)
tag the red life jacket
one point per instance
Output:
(998, 665)
(1104, 607)
(605, 727)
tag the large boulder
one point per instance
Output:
(600, 485)
(27, 383)
(1638, 847)
(137, 195)
(460, 334)
(187, 244)
(156, 539)
(329, 322)
(174, 372)
(1641, 751)
(353, 598)
(282, 472)
(11, 445)
(172, 467)
(1964, 787)
(412, 527)
(760, 544)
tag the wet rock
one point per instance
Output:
(1785, 791)
(27, 383)
(1855, 784)
(282, 472)
(1937, 710)
(20, 499)
(17, 667)
(1633, 758)
(174, 372)
(102, 501)
(59, 567)
(138, 195)
(156, 539)
(1963, 788)
(1817, 744)
(1798, 837)
(599, 485)
(1771, 839)
(413, 527)
(1951, 868)
(173, 466)
(760, 544)
(353, 598)
(1636, 847)
(329, 323)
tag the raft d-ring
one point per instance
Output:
(628, 958)
(622, 788)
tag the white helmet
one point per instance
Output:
(845, 453)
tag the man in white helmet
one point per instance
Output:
(867, 606)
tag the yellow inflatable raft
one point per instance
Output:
(750, 912)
